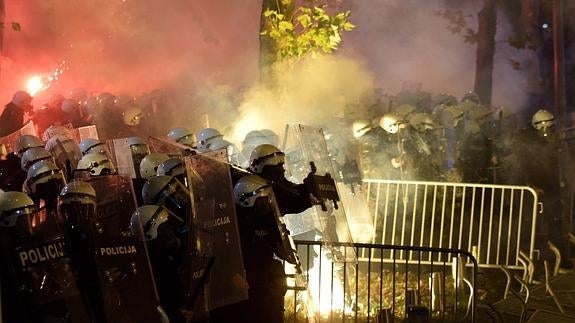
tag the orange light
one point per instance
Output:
(34, 85)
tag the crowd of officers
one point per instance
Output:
(439, 138)
(442, 138)
(51, 192)
(446, 140)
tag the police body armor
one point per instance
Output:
(126, 281)
(38, 282)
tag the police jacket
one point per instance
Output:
(292, 198)
(12, 119)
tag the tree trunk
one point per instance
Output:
(558, 62)
(487, 20)
(268, 48)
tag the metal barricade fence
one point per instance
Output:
(494, 222)
(383, 287)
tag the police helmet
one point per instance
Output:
(12, 205)
(543, 120)
(43, 172)
(106, 99)
(149, 165)
(270, 136)
(138, 146)
(25, 142)
(78, 191)
(33, 155)
(96, 164)
(183, 135)
(263, 155)
(20, 97)
(248, 189)
(171, 167)
(91, 145)
(390, 122)
(206, 136)
(154, 187)
(70, 106)
(254, 138)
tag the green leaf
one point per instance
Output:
(268, 13)
(308, 31)
(348, 26)
(285, 26)
(304, 20)
(16, 26)
(275, 34)
(334, 39)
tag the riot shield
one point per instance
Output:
(62, 145)
(41, 283)
(216, 229)
(63, 131)
(306, 152)
(7, 142)
(285, 247)
(126, 281)
(170, 148)
(82, 133)
(122, 157)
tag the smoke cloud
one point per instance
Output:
(131, 46)
(207, 53)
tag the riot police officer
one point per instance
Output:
(37, 283)
(268, 161)
(543, 162)
(77, 208)
(12, 118)
(260, 243)
(163, 233)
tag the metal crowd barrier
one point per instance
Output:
(383, 287)
(494, 222)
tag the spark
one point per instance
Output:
(40, 83)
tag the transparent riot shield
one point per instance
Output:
(122, 157)
(66, 153)
(126, 281)
(7, 142)
(45, 284)
(216, 229)
(82, 133)
(64, 130)
(170, 148)
(306, 152)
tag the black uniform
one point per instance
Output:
(265, 274)
(12, 119)
(292, 198)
